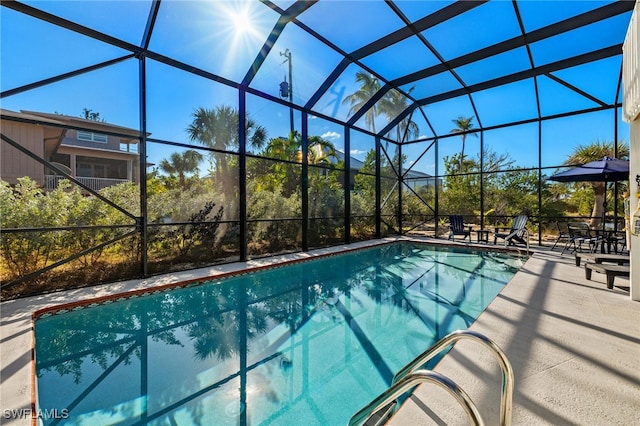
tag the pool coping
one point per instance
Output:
(120, 296)
(66, 307)
(17, 325)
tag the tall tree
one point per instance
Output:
(369, 86)
(463, 126)
(218, 129)
(596, 151)
(181, 164)
(90, 114)
(319, 151)
(392, 105)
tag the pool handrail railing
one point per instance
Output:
(412, 369)
(407, 382)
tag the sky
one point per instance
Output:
(224, 38)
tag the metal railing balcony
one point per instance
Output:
(51, 182)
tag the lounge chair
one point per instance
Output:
(518, 232)
(620, 259)
(612, 271)
(457, 227)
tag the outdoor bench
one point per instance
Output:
(620, 259)
(612, 271)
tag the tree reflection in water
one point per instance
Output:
(249, 338)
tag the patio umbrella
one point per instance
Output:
(606, 170)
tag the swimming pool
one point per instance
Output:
(305, 343)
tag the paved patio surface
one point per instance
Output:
(574, 346)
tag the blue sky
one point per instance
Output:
(225, 37)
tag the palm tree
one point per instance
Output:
(319, 150)
(463, 126)
(392, 105)
(369, 86)
(181, 164)
(218, 129)
(596, 151)
(283, 148)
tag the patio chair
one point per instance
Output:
(579, 234)
(620, 242)
(563, 233)
(457, 227)
(518, 232)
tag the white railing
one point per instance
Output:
(96, 184)
(631, 68)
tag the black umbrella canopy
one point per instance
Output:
(606, 170)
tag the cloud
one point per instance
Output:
(356, 152)
(331, 135)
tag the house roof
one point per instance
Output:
(27, 116)
(100, 126)
(67, 121)
(357, 165)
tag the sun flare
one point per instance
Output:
(241, 21)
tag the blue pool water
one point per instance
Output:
(304, 344)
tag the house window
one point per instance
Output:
(92, 137)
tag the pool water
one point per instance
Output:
(308, 343)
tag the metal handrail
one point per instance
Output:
(506, 398)
(410, 375)
(410, 381)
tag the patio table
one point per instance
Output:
(482, 235)
(607, 238)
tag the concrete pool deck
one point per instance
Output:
(574, 346)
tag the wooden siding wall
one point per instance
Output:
(15, 164)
